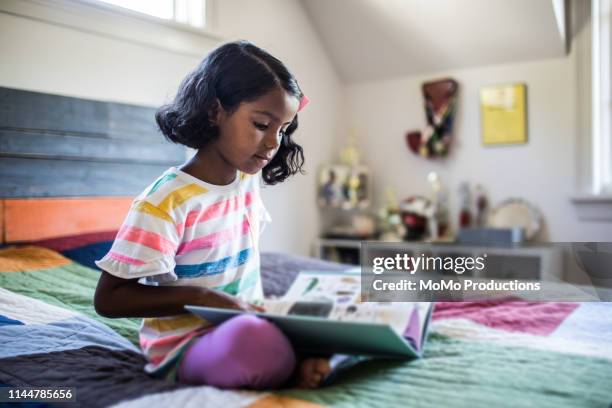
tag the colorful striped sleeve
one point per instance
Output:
(145, 245)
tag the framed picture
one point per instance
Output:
(345, 187)
(504, 114)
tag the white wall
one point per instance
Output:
(543, 171)
(46, 57)
(43, 57)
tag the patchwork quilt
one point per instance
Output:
(483, 354)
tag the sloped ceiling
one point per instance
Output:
(377, 39)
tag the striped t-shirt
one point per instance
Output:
(184, 231)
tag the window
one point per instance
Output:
(190, 12)
(601, 13)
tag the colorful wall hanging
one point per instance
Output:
(440, 102)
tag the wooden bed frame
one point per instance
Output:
(71, 165)
(43, 218)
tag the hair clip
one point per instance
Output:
(303, 102)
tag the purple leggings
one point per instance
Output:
(242, 352)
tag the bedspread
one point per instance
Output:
(498, 353)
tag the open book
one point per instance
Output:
(322, 313)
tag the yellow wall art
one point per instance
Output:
(503, 114)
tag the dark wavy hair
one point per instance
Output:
(233, 73)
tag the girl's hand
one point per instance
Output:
(311, 372)
(214, 298)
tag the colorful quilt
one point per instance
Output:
(504, 354)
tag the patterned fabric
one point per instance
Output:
(485, 354)
(82, 248)
(16, 259)
(183, 231)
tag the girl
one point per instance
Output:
(192, 236)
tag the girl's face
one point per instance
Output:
(250, 136)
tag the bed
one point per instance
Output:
(479, 354)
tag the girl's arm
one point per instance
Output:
(118, 297)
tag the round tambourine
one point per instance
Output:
(516, 213)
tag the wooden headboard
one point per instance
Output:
(43, 218)
(71, 165)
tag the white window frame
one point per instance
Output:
(601, 12)
(124, 10)
(592, 201)
(119, 23)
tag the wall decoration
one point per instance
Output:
(440, 102)
(503, 114)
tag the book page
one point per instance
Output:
(339, 288)
(396, 316)
(336, 296)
